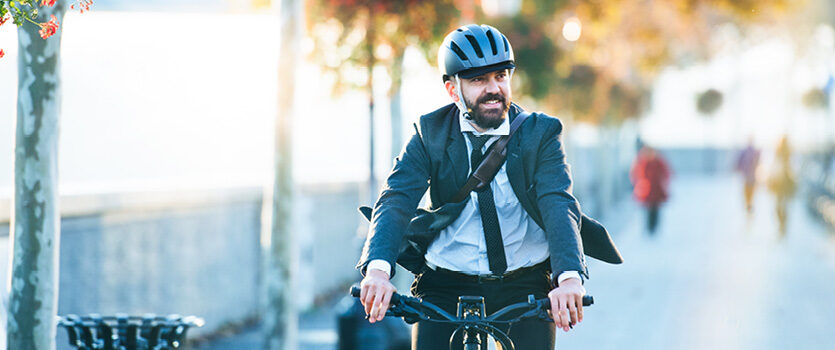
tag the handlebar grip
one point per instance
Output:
(356, 290)
(588, 300)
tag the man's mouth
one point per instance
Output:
(495, 103)
(492, 102)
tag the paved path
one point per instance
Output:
(711, 279)
(714, 279)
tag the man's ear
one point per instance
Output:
(450, 89)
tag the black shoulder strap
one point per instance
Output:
(491, 163)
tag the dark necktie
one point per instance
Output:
(487, 209)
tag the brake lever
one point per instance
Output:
(409, 314)
(542, 314)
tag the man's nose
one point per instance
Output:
(492, 86)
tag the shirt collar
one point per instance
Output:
(501, 130)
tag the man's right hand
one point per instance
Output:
(375, 295)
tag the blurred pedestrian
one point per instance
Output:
(828, 161)
(782, 182)
(746, 164)
(650, 176)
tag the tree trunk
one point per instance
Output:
(396, 110)
(280, 317)
(35, 226)
(369, 41)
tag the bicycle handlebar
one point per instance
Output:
(588, 300)
(414, 309)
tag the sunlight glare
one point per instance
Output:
(572, 29)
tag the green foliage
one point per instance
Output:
(626, 102)
(576, 90)
(535, 52)
(19, 11)
(816, 98)
(709, 101)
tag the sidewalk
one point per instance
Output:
(317, 331)
(713, 278)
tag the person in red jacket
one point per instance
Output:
(650, 175)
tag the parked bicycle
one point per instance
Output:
(471, 317)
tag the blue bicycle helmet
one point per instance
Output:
(473, 50)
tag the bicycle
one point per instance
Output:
(471, 316)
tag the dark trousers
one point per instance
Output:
(443, 289)
(652, 218)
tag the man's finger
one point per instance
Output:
(375, 309)
(363, 293)
(555, 310)
(572, 309)
(368, 301)
(558, 319)
(385, 304)
(579, 303)
(563, 312)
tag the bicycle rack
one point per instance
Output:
(123, 332)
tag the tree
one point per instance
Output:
(606, 75)
(280, 318)
(35, 229)
(360, 34)
(629, 41)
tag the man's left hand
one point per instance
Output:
(567, 303)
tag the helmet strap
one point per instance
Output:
(461, 104)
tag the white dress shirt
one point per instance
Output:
(461, 245)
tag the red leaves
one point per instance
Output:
(83, 5)
(49, 3)
(49, 28)
(2, 53)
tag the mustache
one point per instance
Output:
(488, 97)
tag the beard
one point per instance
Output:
(488, 118)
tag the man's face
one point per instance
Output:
(489, 97)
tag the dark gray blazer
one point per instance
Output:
(436, 158)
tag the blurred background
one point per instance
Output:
(168, 134)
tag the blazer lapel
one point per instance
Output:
(457, 152)
(515, 168)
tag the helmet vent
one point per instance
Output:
(458, 51)
(474, 43)
(505, 43)
(492, 41)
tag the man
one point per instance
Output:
(518, 236)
